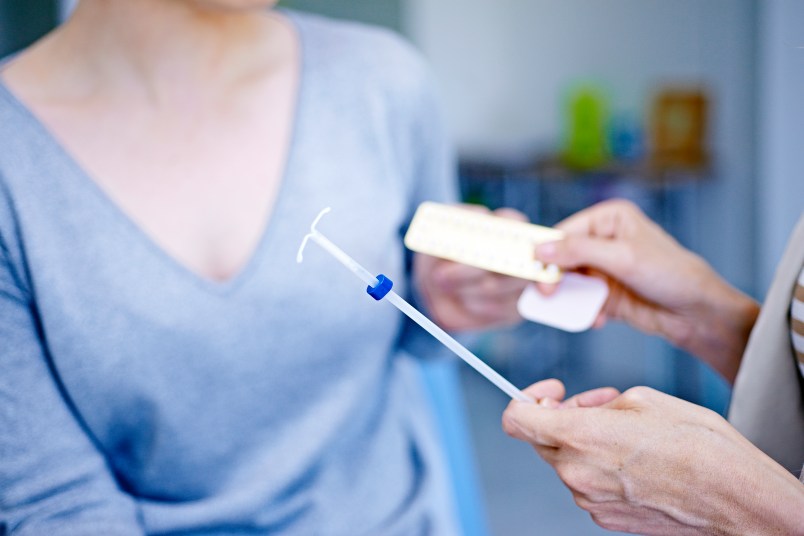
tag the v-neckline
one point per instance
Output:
(85, 180)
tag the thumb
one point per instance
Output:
(538, 425)
(591, 399)
(551, 389)
(611, 256)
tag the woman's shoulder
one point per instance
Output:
(12, 123)
(16, 128)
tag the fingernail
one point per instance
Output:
(548, 403)
(546, 251)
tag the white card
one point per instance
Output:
(574, 305)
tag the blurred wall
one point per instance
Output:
(504, 65)
(24, 21)
(382, 12)
(780, 177)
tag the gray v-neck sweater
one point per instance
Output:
(137, 397)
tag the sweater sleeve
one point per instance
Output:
(53, 480)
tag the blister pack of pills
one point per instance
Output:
(507, 247)
(482, 240)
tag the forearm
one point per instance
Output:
(771, 503)
(53, 480)
(728, 487)
(719, 331)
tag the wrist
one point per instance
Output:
(727, 317)
(745, 490)
(772, 504)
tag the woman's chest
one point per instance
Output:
(124, 322)
(202, 186)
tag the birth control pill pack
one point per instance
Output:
(480, 239)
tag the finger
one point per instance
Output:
(504, 212)
(609, 256)
(601, 219)
(471, 281)
(546, 289)
(591, 399)
(491, 310)
(511, 214)
(549, 403)
(449, 276)
(475, 208)
(578, 223)
(491, 313)
(492, 287)
(600, 321)
(641, 397)
(538, 425)
(551, 388)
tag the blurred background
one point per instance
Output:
(691, 109)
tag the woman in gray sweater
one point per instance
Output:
(165, 365)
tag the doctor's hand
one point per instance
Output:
(461, 297)
(656, 285)
(646, 462)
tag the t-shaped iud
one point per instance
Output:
(379, 287)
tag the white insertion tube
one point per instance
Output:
(445, 339)
(475, 362)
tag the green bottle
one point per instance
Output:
(586, 146)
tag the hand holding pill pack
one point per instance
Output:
(507, 246)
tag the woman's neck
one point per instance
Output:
(161, 48)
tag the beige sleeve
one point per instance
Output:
(766, 404)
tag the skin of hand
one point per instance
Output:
(646, 462)
(461, 297)
(655, 284)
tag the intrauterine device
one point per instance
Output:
(380, 287)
